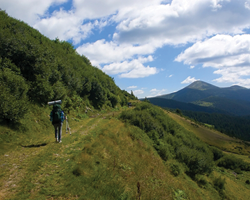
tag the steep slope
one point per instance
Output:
(34, 69)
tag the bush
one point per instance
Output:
(175, 169)
(13, 99)
(196, 161)
(201, 181)
(217, 153)
(247, 182)
(219, 184)
(231, 162)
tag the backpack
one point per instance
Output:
(57, 114)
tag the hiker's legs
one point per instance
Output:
(60, 132)
(55, 126)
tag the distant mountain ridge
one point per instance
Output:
(234, 100)
(199, 90)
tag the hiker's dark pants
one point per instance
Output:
(58, 131)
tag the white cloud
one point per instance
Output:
(153, 90)
(131, 69)
(28, 11)
(170, 76)
(132, 87)
(247, 4)
(66, 26)
(192, 67)
(173, 23)
(189, 80)
(156, 92)
(230, 55)
(234, 75)
(138, 92)
(97, 51)
(143, 26)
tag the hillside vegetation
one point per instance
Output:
(114, 152)
(116, 155)
(35, 70)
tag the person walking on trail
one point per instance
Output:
(57, 118)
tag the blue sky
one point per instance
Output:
(152, 47)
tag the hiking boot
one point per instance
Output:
(60, 141)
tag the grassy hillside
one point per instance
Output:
(107, 157)
(213, 137)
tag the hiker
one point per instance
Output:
(57, 118)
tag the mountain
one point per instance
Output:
(234, 100)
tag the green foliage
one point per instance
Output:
(175, 169)
(52, 69)
(13, 99)
(235, 126)
(180, 195)
(219, 184)
(216, 152)
(200, 179)
(231, 162)
(170, 140)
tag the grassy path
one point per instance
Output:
(18, 164)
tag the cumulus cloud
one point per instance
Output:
(192, 67)
(230, 55)
(143, 26)
(30, 11)
(173, 23)
(170, 76)
(189, 80)
(138, 92)
(65, 25)
(131, 69)
(97, 51)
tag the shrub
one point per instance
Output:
(219, 184)
(217, 153)
(175, 169)
(13, 99)
(201, 181)
(247, 182)
(231, 162)
(196, 161)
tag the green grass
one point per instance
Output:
(213, 137)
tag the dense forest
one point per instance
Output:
(35, 69)
(235, 126)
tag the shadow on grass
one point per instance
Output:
(35, 145)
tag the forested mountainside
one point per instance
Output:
(35, 69)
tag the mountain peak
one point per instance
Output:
(236, 87)
(200, 85)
